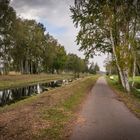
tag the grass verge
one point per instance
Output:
(47, 116)
(11, 81)
(131, 100)
(60, 116)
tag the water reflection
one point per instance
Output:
(8, 96)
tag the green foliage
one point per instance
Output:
(110, 66)
(76, 64)
(93, 69)
(110, 26)
(60, 58)
(96, 17)
(7, 19)
(93, 34)
(27, 48)
(27, 51)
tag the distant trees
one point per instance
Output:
(60, 58)
(76, 64)
(26, 47)
(111, 26)
(94, 68)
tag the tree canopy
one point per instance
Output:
(27, 47)
(111, 26)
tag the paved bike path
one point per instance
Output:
(103, 117)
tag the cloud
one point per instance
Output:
(56, 16)
(54, 11)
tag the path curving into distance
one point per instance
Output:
(103, 117)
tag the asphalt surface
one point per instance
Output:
(104, 117)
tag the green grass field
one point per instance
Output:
(136, 80)
(135, 91)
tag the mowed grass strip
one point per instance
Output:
(11, 81)
(60, 116)
(46, 116)
(132, 100)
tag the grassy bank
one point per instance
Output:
(9, 81)
(47, 116)
(136, 80)
(132, 100)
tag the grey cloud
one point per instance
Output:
(51, 10)
(33, 3)
(54, 12)
(51, 4)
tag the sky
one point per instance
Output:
(56, 17)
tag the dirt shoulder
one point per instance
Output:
(45, 116)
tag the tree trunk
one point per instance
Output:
(126, 80)
(133, 49)
(26, 66)
(122, 73)
(21, 67)
(138, 68)
(110, 71)
(134, 71)
(31, 67)
(119, 78)
(5, 67)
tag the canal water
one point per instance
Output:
(8, 96)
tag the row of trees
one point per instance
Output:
(111, 26)
(26, 47)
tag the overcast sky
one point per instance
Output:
(55, 15)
